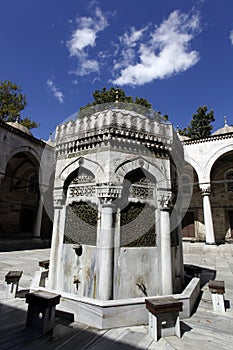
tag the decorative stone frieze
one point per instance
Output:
(118, 128)
(80, 191)
(137, 191)
(83, 178)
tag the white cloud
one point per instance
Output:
(56, 92)
(88, 66)
(167, 52)
(81, 38)
(128, 47)
(84, 37)
(231, 37)
(133, 37)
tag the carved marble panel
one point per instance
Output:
(81, 224)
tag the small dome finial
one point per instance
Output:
(117, 96)
(225, 121)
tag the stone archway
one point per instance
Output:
(222, 197)
(20, 197)
(138, 205)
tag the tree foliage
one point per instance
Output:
(200, 125)
(104, 99)
(113, 94)
(12, 103)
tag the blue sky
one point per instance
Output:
(176, 53)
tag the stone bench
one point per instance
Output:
(41, 310)
(12, 282)
(44, 264)
(217, 289)
(164, 317)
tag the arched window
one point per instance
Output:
(186, 187)
(229, 181)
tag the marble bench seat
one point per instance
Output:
(12, 279)
(217, 289)
(44, 265)
(164, 317)
(41, 310)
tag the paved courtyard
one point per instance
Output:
(204, 330)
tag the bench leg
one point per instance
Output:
(164, 325)
(40, 318)
(11, 290)
(153, 327)
(177, 327)
(218, 302)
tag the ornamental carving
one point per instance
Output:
(108, 192)
(138, 226)
(166, 200)
(83, 178)
(81, 191)
(143, 192)
(81, 224)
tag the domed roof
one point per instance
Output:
(183, 138)
(225, 130)
(20, 127)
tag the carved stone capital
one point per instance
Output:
(108, 192)
(58, 200)
(205, 190)
(165, 200)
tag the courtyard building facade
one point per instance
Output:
(26, 182)
(208, 176)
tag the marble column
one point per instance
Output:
(165, 246)
(54, 279)
(117, 244)
(180, 249)
(105, 252)
(39, 214)
(209, 227)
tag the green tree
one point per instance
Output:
(200, 125)
(113, 94)
(12, 102)
(104, 99)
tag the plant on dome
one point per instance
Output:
(109, 97)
